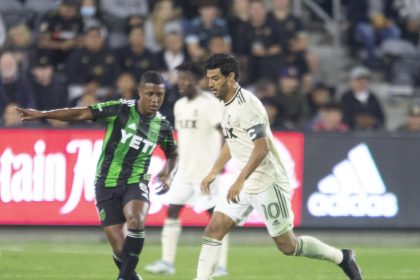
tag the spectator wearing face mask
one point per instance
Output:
(91, 13)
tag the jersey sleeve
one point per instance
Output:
(254, 120)
(168, 144)
(106, 110)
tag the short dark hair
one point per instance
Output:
(194, 68)
(152, 77)
(226, 62)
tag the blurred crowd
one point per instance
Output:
(62, 53)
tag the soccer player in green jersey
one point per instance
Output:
(134, 129)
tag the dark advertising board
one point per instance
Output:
(361, 181)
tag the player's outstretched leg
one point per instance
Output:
(310, 247)
(349, 265)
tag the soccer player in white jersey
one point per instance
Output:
(197, 122)
(262, 183)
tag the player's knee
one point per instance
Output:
(134, 222)
(214, 231)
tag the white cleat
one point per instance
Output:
(160, 267)
(220, 271)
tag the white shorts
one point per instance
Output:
(190, 194)
(273, 205)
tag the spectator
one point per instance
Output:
(93, 62)
(135, 21)
(371, 22)
(60, 31)
(287, 22)
(171, 56)
(291, 102)
(136, 58)
(361, 107)
(203, 27)
(265, 44)
(217, 44)
(237, 22)
(164, 18)
(49, 91)
(91, 13)
(126, 87)
(319, 96)
(329, 119)
(116, 13)
(297, 55)
(265, 88)
(14, 86)
(413, 122)
(19, 43)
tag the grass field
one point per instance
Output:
(93, 261)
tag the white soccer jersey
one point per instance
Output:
(242, 115)
(199, 141)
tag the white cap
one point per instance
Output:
(359, 72)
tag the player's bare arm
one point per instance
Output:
(259, 152)
(67, 114)
(166, 175)
(223, 158)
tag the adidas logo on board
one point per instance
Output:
(354, 188)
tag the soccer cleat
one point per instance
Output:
(220, 271)
(349, 265)
(160, 267)
(136, 277)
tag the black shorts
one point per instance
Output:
(110, 201)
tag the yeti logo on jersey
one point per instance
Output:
(136, 141)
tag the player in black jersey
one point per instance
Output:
(134, 129)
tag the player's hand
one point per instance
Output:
(164, 183)
(233, 192)
(29, 114)
(205, 184)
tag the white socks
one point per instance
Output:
(209, 255)
(310, 247)
(170, 235)
(224, 252)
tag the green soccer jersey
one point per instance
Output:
(129, 142)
